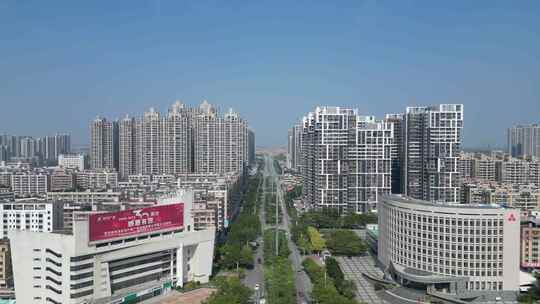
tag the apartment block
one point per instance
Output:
(432, 145)
(29, 184)
(524, 140)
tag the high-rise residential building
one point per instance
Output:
(294, 147)
(397, 151)
(103, 144)
(127, 147)
(220, 143)
(432, 145)
(524, 140)
(325, 137)
(184, 140)
(345, 159)
(369, 164)
(177, 140)
(251, 146)
(28, 147)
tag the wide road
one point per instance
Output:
(256, 275)
(302, 281)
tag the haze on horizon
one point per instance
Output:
(64, 63)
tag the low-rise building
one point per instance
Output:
(62, 180)
(118, 257)
(6, 275)
(478, 191)
(31, 215)
(6, 194)
(71, 161)
(530, 244)
(204, 216)
(96, 180)
(29, 184)
(85, 196)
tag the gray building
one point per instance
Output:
(524, 140)
(103, 144)
(431, 148)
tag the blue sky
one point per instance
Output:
(62, 63)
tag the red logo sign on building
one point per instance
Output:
(511, 218)
(105, 226)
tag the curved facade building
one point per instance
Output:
(462, 250)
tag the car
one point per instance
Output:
(257, 286)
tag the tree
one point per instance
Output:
(230, 291)
(317, 242)
(246, 256)
(345, 242)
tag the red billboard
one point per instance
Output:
(105, 226)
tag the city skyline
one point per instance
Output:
(268, 61)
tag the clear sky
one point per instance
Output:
(62, 63)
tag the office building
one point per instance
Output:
(147, 252)
(461, 251)
(71, 161)
(29, 184)
(524, 140)
(31, 215)
(432, 145)
(103, 144)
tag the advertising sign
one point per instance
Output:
(105, 226)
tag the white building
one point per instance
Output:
(26, 185)
(29, 215)
(97, 264)
(97, 179)
(464, 251)
(71, 161)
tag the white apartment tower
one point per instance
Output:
(345, 159)
(369, 160)
(432, 146)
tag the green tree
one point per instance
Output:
(230, 291)
(345, 242)
(317, 242)
(246, 256)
